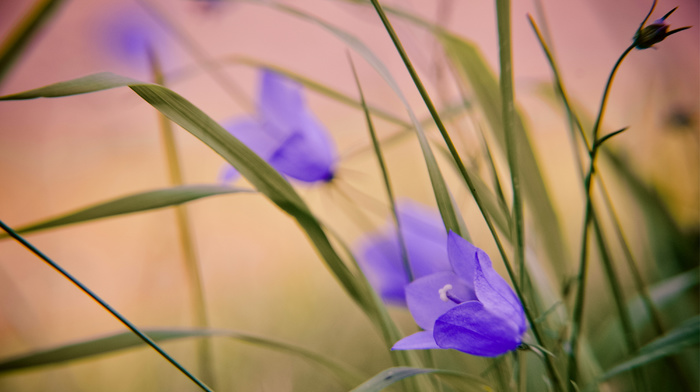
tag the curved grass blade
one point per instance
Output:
(685, 336)
(138, 202)
(258, 172)
(117, 342)
(461, 381)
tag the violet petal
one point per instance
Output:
(424, 301)
(418, 341)
(472, 329)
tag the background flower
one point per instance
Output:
(285, 133)
(471, 309)
(380, 254)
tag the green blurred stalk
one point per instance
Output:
(104, 304)
(18, 39)
(192, 264)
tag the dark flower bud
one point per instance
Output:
(654, 33)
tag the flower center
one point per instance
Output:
(445, 294)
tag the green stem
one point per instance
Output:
(614, 281)
(508, 112)
(192, 264)
(104, 304)
(640, 285)
(463, 171)
(588, 217)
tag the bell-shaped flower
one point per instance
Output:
(285, 133)
(380, 256)
(470, 309)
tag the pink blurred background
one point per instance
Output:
(260, 273)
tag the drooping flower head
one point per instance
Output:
(470, 309)
(285, 133)
(380, 253)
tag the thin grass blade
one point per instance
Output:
(138, 202)
(90, 348)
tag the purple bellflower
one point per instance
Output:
(470, 309)
(285, 133)
(380, 253)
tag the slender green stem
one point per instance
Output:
(192, 264)
(104, 304)
(639, 283)
(618, 297)
(588, 218)
(463, 171)
(508, 112)
(385, 175)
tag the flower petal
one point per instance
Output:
(462, 256)
(281, 105)
(424, 301)
(381, 261)
(308, 153)
(425, 238)
(472, 329)
(251, 133)
(495, 294)
(418, 341)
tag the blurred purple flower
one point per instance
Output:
(470, 309)
(380, 254)
(285, 133)
(128, 33)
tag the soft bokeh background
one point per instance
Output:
(260, 273)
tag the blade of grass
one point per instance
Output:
(105, 305)
(138, 202)
(508, 115)
(103, 345)
(17, 40)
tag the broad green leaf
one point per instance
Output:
(685, 336)
(461, 381)
(258, 172)
(133, 203)
(109, 344)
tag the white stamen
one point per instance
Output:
(443, 292)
